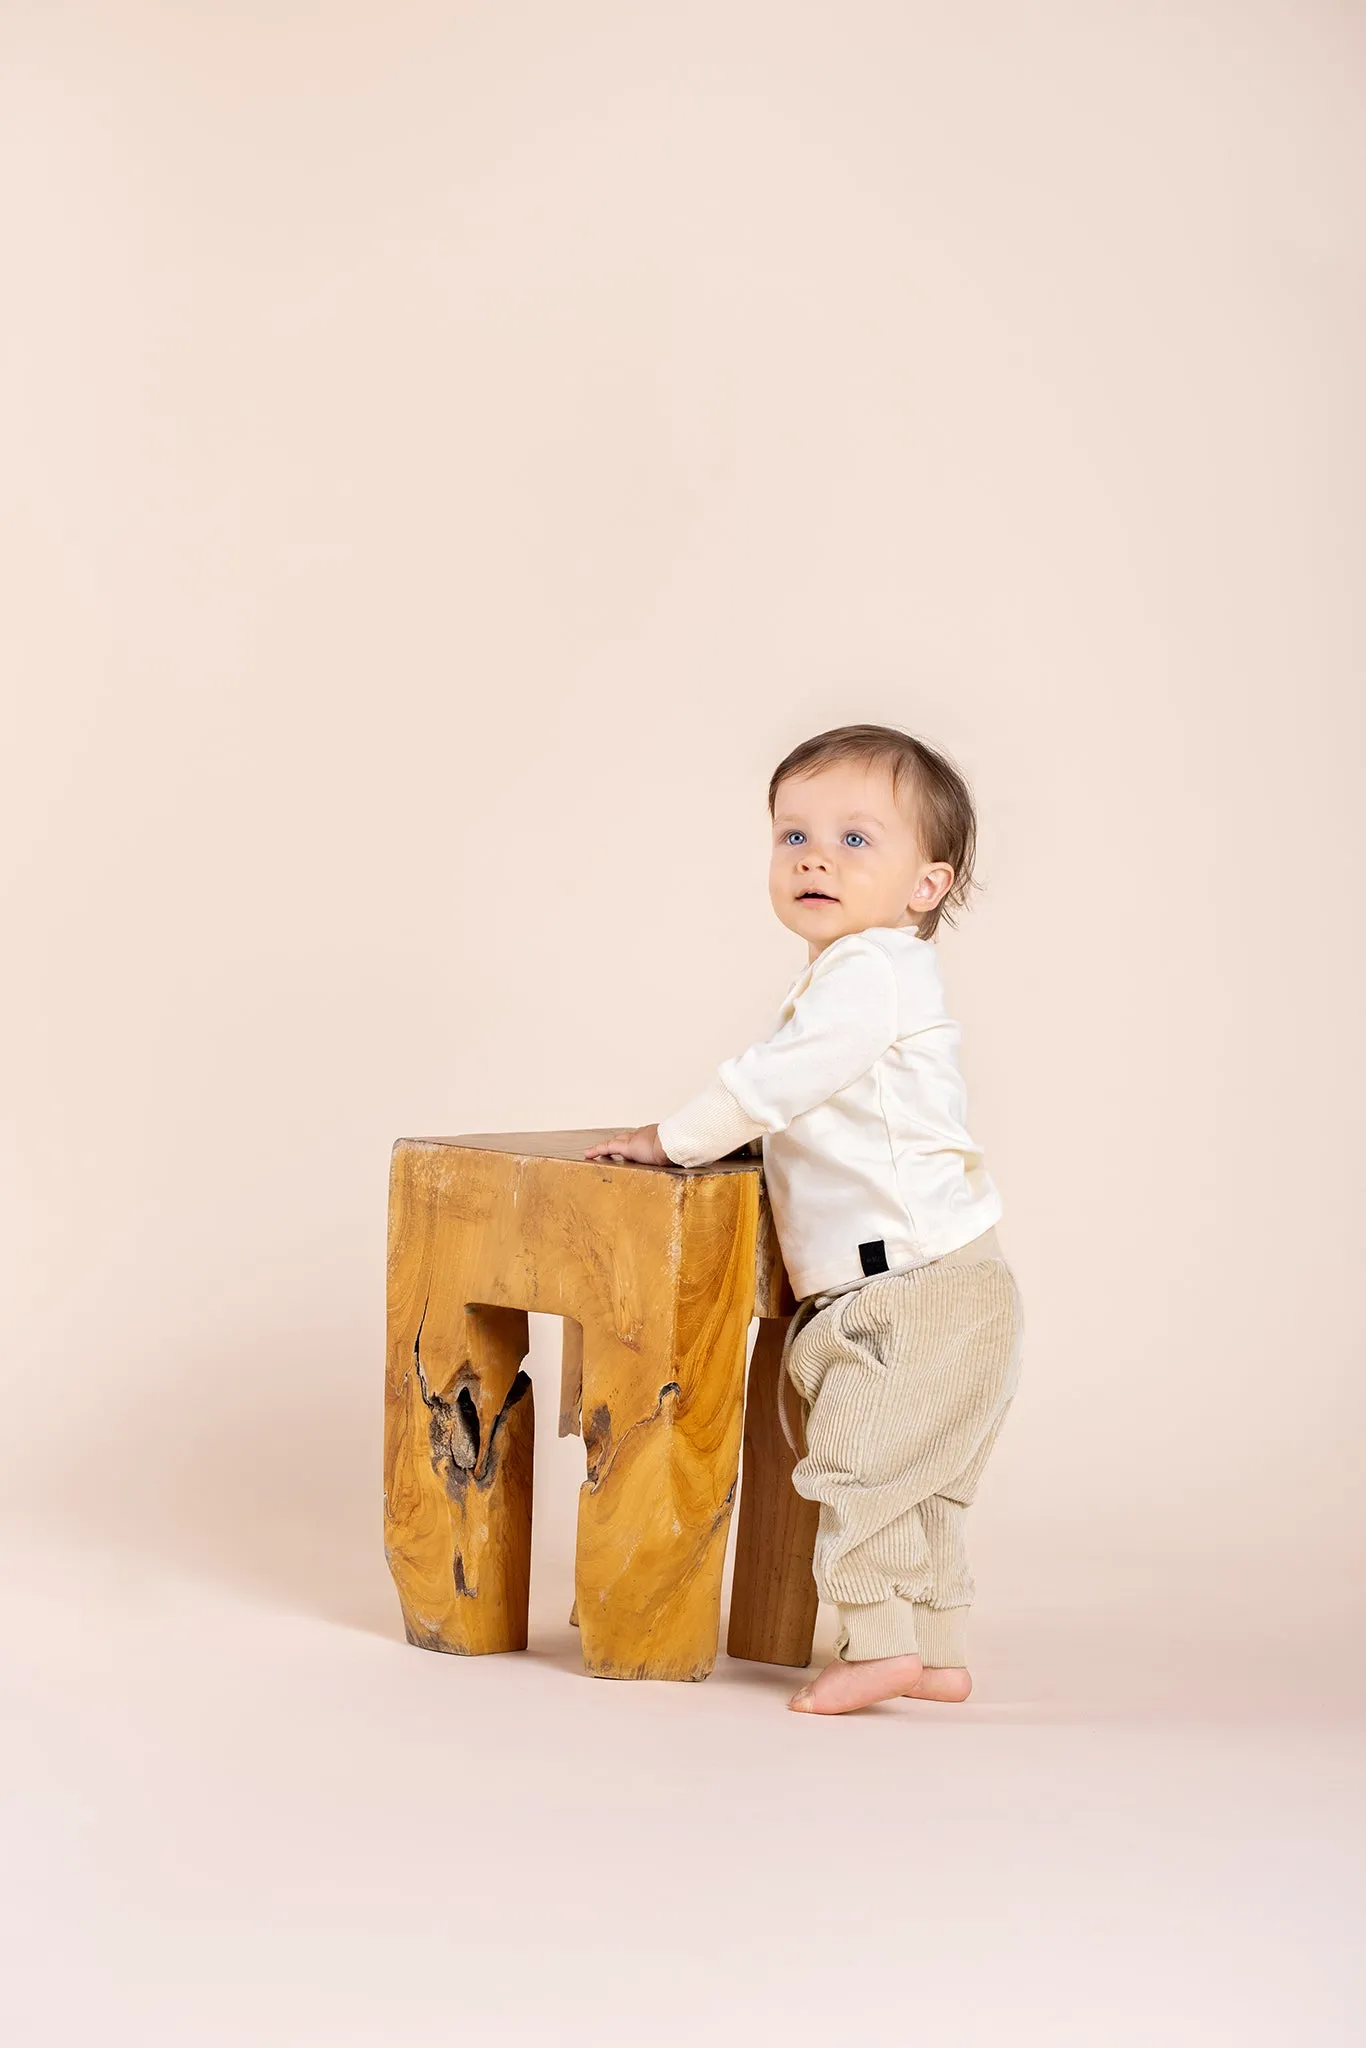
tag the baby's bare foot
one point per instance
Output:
(842, 1687)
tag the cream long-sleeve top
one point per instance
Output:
(861, 1106)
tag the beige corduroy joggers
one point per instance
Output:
(905, 1382)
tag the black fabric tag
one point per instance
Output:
(873, 1255)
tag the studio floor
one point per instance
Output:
(232, 1820)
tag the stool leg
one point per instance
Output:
(459, 1448)
(773, 1596)
(654, 1515)
(662, 1416)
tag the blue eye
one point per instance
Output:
(797, 833)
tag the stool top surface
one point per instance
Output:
(573, 1144)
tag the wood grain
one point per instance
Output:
(773, 1599)
(571, 1379)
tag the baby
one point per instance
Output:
(906, 1341)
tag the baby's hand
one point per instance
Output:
(642, 1145)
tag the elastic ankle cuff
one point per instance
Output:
(883, 1628)
(942, 1633)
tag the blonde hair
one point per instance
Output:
(941, 802)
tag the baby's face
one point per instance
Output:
(841, 832)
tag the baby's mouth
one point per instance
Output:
(816, 896)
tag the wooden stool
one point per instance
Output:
(657, 1272)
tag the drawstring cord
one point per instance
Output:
(809, 1305)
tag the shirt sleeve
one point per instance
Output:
(843, 1020)
(708, 1127)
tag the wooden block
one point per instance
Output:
(656, 1267)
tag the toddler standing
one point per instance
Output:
(906, 1342)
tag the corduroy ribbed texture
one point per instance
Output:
(905, 1383)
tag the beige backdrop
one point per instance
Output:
(451, 454)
